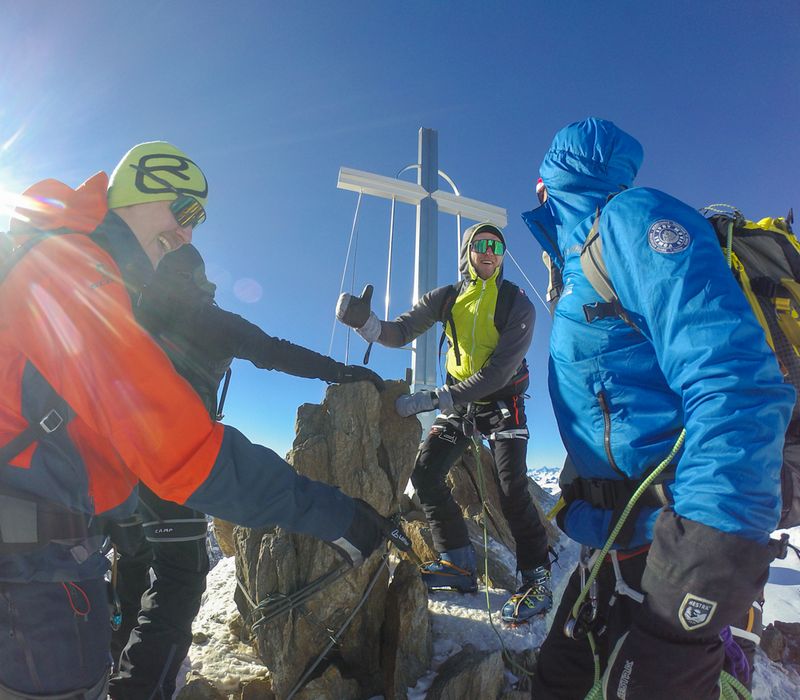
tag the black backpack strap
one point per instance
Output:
(615, 494)
(225, 384)
(446, 316)
(505, 300)
(596, 272)
(56, 417)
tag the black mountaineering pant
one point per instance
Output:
(156, 643)
(505, 426)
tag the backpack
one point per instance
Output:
(764, 258)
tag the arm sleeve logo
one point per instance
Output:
(668, 237)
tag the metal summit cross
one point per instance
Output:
(429, 201)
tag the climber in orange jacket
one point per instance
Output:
(90, 405)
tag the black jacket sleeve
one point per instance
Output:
(179, 311)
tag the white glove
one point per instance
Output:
(423, 401)
(371, 330)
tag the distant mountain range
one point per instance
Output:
(546, 477)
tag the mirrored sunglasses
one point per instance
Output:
(186, 209)
(481, 246)
(188, 212)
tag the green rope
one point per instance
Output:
(625, 513)
(597, 685)
(731, 688)
(476, 447)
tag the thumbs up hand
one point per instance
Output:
(356, 312)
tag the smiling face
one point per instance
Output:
(156, 229)
(485, 263)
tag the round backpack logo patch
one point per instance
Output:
(666, 236)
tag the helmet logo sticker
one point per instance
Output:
(666, 236)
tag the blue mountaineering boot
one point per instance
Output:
(453, 569)
(534, 597)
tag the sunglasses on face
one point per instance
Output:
(187, 210)
(481, 246)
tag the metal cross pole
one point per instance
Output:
(429, 201)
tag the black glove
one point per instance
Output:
(357, 373)
(355, 311)
(645, 666)
(368, 531)
(698, 580)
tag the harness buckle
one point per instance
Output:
(51, 422)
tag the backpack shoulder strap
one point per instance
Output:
(446, 316)
(505, 300)
(555, 281)
(596, 272)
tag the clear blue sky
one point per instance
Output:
(272, 98)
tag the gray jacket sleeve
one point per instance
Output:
(505, 360)
(416, 321)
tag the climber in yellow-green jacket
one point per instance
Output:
(489, 326)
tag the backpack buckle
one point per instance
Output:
(51, 422)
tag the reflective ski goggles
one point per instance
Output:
(187, 210)
(481, 246)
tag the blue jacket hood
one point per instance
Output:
(587, 161)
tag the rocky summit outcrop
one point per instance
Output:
(378, 618)
(356, 441)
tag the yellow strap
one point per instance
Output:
(556, 509)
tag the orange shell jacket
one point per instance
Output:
(66, 317)
(65, 310)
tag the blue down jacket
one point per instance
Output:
(701, 360)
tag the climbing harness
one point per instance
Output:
(584, 612)
(583, 615)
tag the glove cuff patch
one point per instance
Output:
(695, 612)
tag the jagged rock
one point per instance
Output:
(355, 440)
(407, 638)
(522, 664)
(200, 638)
(223, 531)
(199, 688)
(257, 689)
(471, 673)
(467, 484)
(791, 637)
(773, 643)
(329, 686)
